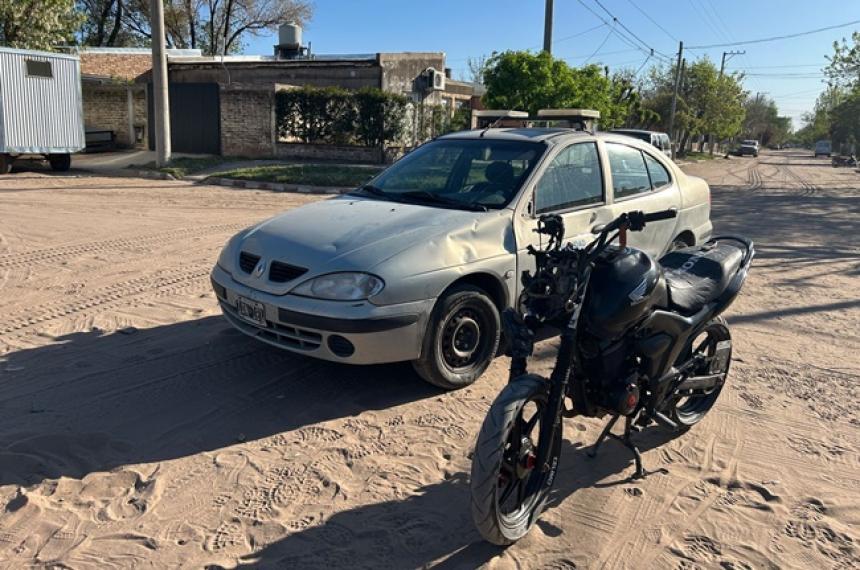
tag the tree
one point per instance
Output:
(476, 66)
(707, 101)
(763, 122)
(41, 24)
(844, 64)
(528, 81)
(214, 26)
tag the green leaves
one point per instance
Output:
(528, 81)
(368, 116)
(38, 24)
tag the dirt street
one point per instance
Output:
(138, 429)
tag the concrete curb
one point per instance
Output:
(135, 173)
(274, 186)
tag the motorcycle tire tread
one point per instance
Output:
(488, 456)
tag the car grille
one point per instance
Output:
(282, 272)
(248, 261)
(276, 333)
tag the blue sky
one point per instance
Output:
(788, 71)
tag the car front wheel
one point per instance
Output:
(461, 340)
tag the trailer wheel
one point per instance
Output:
(5, 163)
(60, 162)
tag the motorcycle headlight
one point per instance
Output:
(341, 287)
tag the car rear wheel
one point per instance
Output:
(461, 340)
(5, 164)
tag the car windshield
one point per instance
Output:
(459, 173)
(749, 143)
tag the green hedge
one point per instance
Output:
(369, 116)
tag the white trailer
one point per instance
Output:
(41, 109)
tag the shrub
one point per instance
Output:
(333, 115)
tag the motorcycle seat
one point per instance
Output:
(697, 275)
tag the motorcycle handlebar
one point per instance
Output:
(664, 215)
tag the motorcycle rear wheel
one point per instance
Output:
(687, 411)
(508, 490)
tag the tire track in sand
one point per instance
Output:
(41, 256)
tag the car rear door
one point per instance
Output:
(572, 185)
(638, 180)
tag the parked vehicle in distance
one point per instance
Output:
(843, 160)
(658, 139)
(748, 147)
(823, 148)
(418, 264)
(45, 89)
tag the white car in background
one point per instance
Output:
(418, 264)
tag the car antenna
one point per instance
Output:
(500, 115)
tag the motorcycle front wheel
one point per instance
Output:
(509, 491)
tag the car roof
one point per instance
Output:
(516, 133)
(638, 131)
(537, 134)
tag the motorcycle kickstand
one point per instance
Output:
(625, 440)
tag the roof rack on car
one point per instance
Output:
(491, 118)
(579, 119)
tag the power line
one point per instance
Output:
(653, 21)
(628, 30)
(600, 46)
(620, 35)
(777, 38)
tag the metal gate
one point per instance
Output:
(195, 118)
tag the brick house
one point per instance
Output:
(231, 99)
(114, 99)
(225, 105)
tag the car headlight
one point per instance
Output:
(341, 286)
(227, 259)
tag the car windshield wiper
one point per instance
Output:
(431, 198)
(373, 191)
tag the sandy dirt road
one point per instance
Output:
(138, 429)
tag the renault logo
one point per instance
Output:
(260, 269)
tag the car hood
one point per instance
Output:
(361, 234)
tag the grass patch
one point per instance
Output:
(701, 156)
(184, 166)
(310, 174)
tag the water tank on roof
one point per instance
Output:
(290, 35)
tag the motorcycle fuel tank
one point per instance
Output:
(625, 285)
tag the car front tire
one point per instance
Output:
(461, 340)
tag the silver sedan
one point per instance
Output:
(418, 264)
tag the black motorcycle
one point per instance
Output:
(639, 338)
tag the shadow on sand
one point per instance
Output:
(94, 401)
(436, 524)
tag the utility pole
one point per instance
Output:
(675, 97)
(731, 54)
(547, 27)
(159, 91)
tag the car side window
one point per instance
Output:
(629, 174)
(658, 173)
(572, 179)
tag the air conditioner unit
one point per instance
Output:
(435, 79)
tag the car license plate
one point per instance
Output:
(251, 311)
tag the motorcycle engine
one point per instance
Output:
(612, 374)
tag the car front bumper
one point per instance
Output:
(327, 329)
